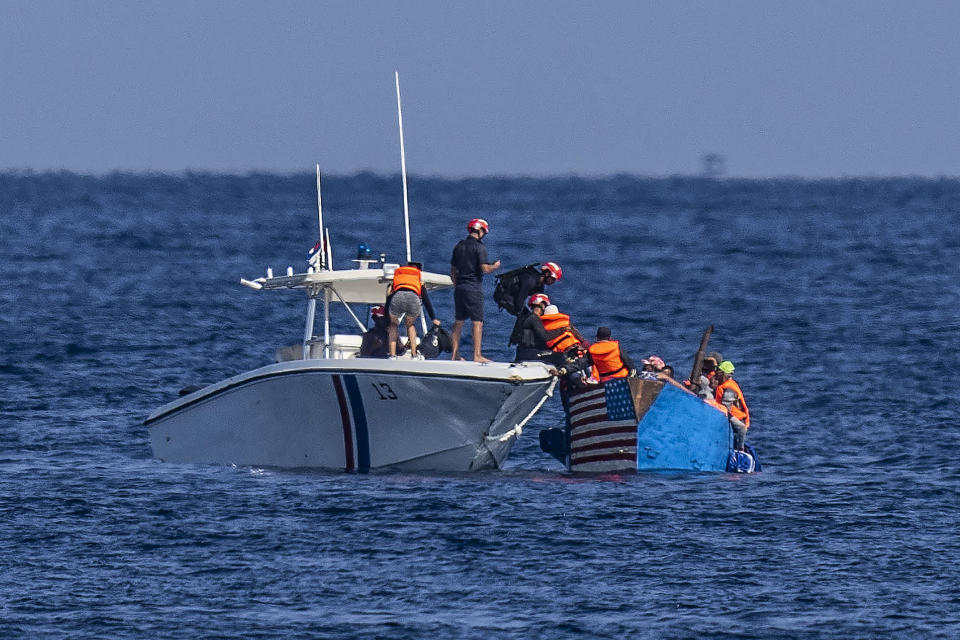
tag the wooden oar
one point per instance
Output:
(698, 359)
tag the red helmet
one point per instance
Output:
(537, 299)
(378, 311)
(552, 269)
(478, 223)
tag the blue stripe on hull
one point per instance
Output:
(360, 423)
(345, 419)
(680, 431)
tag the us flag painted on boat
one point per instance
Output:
(603, 428)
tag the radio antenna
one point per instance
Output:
(323, 261)
(403, 168)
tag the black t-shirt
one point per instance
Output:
(468, 256)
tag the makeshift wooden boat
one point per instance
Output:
(631, 424)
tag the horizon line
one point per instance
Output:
(188, 172)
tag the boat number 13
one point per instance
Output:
(384, 391)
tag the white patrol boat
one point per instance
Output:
(331, 410)
(322, 407)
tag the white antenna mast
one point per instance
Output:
(320, 220)
(403, 169)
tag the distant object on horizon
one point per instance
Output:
(714, 165)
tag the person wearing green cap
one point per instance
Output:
(728, 394)
(727, 367)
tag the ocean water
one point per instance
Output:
(836, 299)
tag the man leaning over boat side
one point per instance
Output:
(468, 264)
(406, 295)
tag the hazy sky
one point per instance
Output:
(799, 88)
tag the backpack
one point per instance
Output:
(435, 342)
(507, 285)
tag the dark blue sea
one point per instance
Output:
(837, 300)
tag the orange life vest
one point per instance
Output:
(553, 321)
(607, 363)
(407, 278)
(739, 408)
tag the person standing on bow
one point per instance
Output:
(609, 360)
(468, 264)
(406, 295)
(728, 394)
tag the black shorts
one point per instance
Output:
(468, 303)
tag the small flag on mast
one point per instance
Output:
(316, 258)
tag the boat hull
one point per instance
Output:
(643, 425)
(366, 415)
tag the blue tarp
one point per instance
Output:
(680, 431)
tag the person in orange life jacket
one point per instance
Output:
(468, 264)
(533, 335)
(728, 394)
(374, 344)
(563, 334)
(406, 295)
(609, 360)
(570, 354)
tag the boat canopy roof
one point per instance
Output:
(360, 286)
